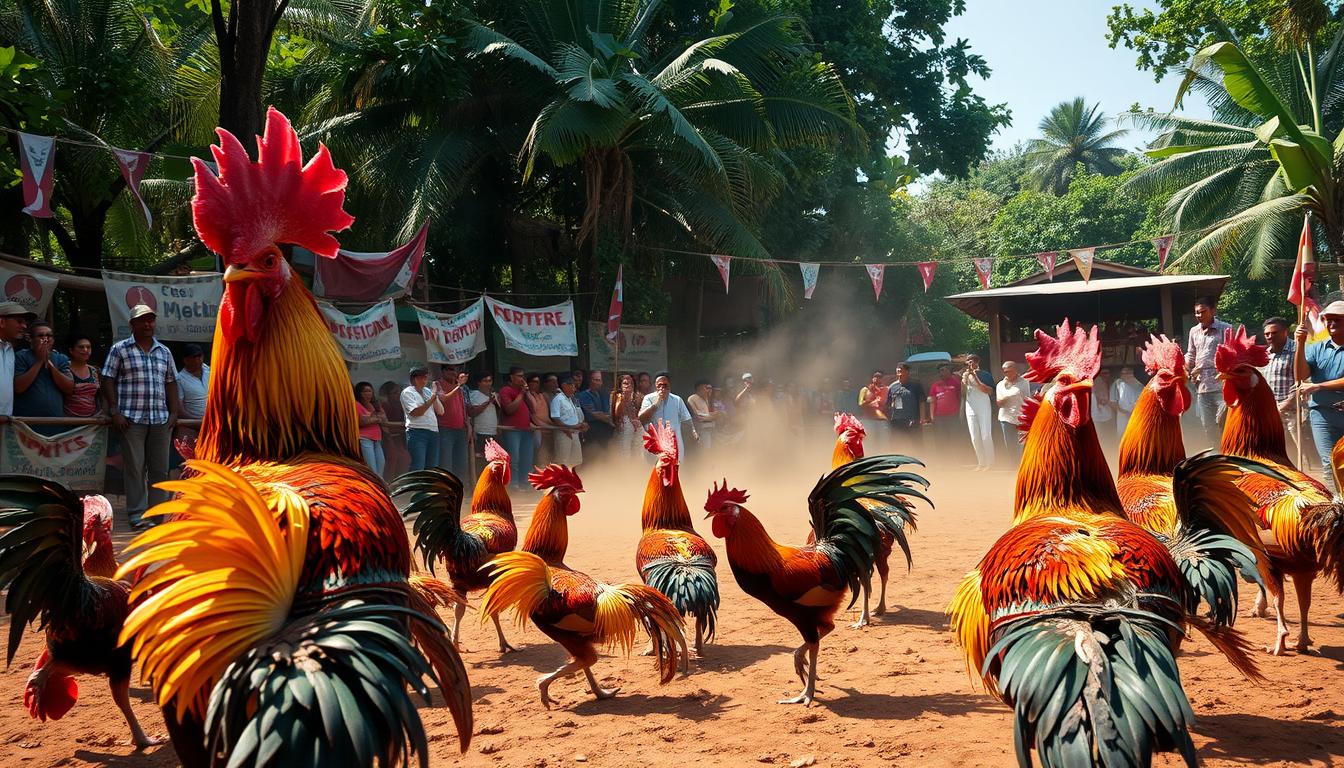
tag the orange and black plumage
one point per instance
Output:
(671, 557)
(569, 606)
(282, 558)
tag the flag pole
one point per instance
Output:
(1301, 319)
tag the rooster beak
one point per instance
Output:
(234, 274)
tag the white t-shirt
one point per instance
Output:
(564, 411)
(978, 402)
(487, 421)
(1125, 394)
(673, 411)
(6, 379)
(412, 398)
(1012, 396)
(1101, 412)
(193, 392)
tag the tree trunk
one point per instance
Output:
(244, 40)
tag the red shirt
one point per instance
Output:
(946, 394)
(370, 431)
(519, 419)
(454, 414)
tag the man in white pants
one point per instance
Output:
(979, 388)
(567, 416)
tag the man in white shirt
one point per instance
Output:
(662, 405)
(422, 407)
(566, 415)
(13, 322)
(1009, 394)
(193, 382)
(1125, 395)
(1200, 347)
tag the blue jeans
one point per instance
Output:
(453, 452)
(372, 450)
(1207, 405)
(1327, 427)
(1011, 447)
(423, 445)
(519, 445)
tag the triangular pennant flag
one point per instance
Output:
(1083, 257)
(810, 271)
(723, 263)
(1047, 261)
(926, 270)
(876, 273)
(1299, 289)
(1163, 246)
(984, 267)
(617, 301)
(133, 166)
(36, 160)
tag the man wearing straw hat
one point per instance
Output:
(1320, 368)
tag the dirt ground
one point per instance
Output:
(894, 693)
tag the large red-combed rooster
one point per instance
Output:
(1073, 615)
(806, 585)
(465, 544)
(274, 613)
(57, 562)
(671, 557)
(571, 607)
(1303, 524)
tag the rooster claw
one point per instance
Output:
(148, 742)
(606, 693)
(802, 698)
(860, 624)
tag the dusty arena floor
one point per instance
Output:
(895, 693)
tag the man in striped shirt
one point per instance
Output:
(1279, 375)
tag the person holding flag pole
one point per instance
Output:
(1318, 362)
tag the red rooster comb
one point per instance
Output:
(845, 422)
(555, 476)
(495, 452)
(719, 496)
(1161, 353)
(1239, 349)
(660, 439)
(251, 206)
(1071, 350)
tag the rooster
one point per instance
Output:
(806, 585)
(274, 615)
(1074, 615)
(1303, 526)
(71, 594)
(671, 557)
(571, 607)
(465, 544)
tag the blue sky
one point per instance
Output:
(1043, 52)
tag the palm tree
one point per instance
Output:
(1072, 133)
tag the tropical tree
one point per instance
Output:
(1072, 134)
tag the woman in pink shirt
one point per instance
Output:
(371, 421)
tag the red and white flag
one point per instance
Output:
(37, 160)
(1083, 257)
(723, 263)
(133, 166)
(984, 268)
(810, 271)
(926, 270)
(1047, 261)
(1163, 246)
(875, 273)
(1304, 273)
(617, 301)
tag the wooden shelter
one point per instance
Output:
(1128, 302)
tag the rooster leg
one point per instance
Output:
(1261, 608)
(699, 636)
(810, 689)
(121, 694)
(544, 682)
(460, 610)
(881, 608)
(867, 592)
(798, 663)
(504, 646)
(1302, 585)
(1281, 630)
(36, 686)
(598, 691)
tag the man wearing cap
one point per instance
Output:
(1320, 368)
(42, 378)
(1201, 344)
(423, 408)
(193, 382)
(140, 387)
(13, 322)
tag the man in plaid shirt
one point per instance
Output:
(1279, 375)
(141, 389)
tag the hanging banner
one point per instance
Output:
(454, 338)
(926, 270)
(30, 287)
(1047, 262)
(362, 277)
(1163, 246)
(984, 269)
(396, 370)
(810, 271)
(723, 263)
(642, 348)
(36, 160)
(544, 331)
(186, 307)
(366, 337)
(133, 166)
(617, 301)
(76, 458)
(1083, 257)
(875, 273)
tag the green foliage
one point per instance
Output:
(1072, 134)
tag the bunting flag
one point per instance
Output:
(875, 273)
(359, 277)
(36, 160)
(1163, 246)
(1047, 261)
(723, 263)
(617, 301)
(1083, 257)
(1304, 274)
(984, 268)
(133, 166)
(926, 270)
(810, 271)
